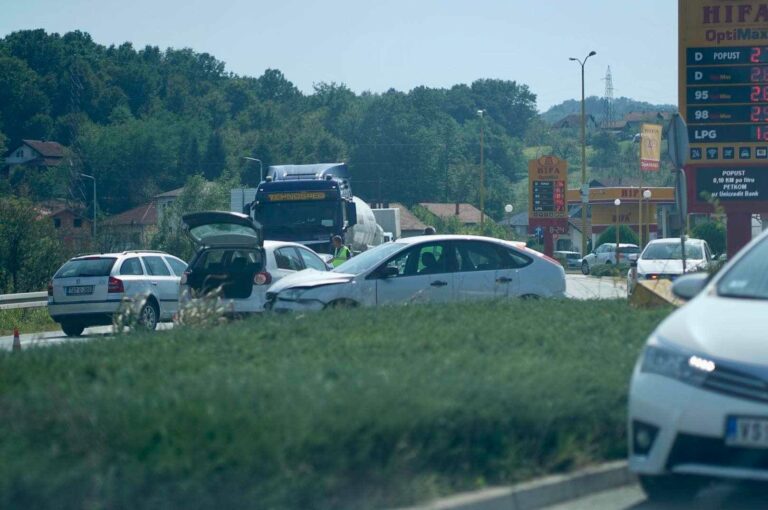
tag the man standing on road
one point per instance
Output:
(340, 252)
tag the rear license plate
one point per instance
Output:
(80, 290)
(749, 432)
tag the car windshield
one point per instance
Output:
(276, 216)
(672, 251)
(369, 259)
(748, 278)
(86, 267)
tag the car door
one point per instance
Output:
(423, 276)
(164, 283)
(482, 271)
(132, 274)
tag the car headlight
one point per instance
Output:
(292, 294)
(679, 365)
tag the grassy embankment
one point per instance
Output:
(345, 409)
(28, 320)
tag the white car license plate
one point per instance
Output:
(80, 290)
(744, 431)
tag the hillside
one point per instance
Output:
(596, 106)
(143, 121)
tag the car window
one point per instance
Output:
(629, 249)
(516, 260)
(748, 277)
(96, 266)
(311, 260)
(479, 256)
(672, 251)
(131, 266)
(156, 266)
(177, 265)
(287, 258)
(423, 259)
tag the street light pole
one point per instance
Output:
(508, 209)
(647, 196)
(584, 187)
(261, 167)
(617, 203)
(482, 170)
(94, 204)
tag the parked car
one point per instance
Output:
(663, 259)
(698, 399)
(232, 259)
(606, 254)
(431, 269)
(89, 290)
(568, 259)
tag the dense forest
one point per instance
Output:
(143, 121)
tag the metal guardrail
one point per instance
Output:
(24, 300)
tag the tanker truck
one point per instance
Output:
(309, 204)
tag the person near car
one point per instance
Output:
(341, 253)
(430, 231)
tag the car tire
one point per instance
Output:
(149, 315)
(341, 303)
(72, 328)
(671, 488)
(584, 268)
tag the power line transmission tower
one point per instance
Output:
(608, 111)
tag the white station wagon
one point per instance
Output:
(89, 290)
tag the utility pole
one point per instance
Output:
(94, 204)
(482, 170)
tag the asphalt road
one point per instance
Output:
(57, 337)
(717, 497)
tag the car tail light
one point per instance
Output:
(115, 285)
(184, 278)
(262, 278)
(50, 288)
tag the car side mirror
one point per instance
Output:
(688, 286)
(387, 272)
(633, 263)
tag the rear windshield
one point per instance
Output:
(629, 249)
(218, 260)
(101, 266)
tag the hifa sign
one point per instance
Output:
(650, 147)
(547, 201)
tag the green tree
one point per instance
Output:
(713, 232)
(29, 249)
(198, 195)
(626, 235)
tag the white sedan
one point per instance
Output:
(698, 401)
(424, 269)
(662, 259)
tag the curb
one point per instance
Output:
(539, 493)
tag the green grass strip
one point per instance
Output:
(349, 409)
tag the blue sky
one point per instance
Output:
(397, 44)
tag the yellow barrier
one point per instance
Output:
(653, 293)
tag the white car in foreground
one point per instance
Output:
(662, 259)
(233, 261)
(424, 269)
(698, 401)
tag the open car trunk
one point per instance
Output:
(230, 269)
